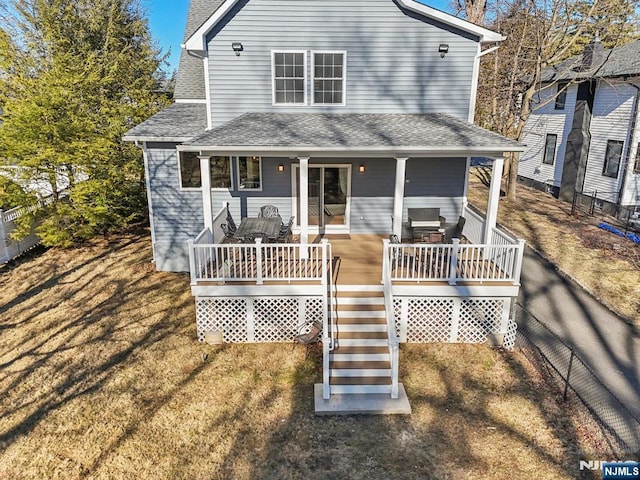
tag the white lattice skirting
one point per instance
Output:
(452, 319)
(257, 319)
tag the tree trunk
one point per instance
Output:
(475, 11)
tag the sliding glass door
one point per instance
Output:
(328, 197)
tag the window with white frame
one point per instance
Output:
(328, 78)
(612, 158)
(550, 149)
(249, 173)
(289, 78)
(189, 166)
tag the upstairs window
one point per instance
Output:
(612, 158)
(289, 78)
(636, 166)
(220, 171)
(550, 149)
(561, 96)
(328, 78)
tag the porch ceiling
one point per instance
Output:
(380, 135)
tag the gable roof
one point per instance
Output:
(620, 61)
(190, 74)
(375, 134)
(197, 40)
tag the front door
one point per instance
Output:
(329, 197)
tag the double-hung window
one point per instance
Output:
(612, 158)
(328, 78)
(550, 149)
(289, 78)
(561, 96)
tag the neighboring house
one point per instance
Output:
(344, 115)
(583, 133)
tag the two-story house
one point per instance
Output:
(583, 133)
(353, 119)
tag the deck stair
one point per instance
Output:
(360, 369)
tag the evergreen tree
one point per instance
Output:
(75, 76)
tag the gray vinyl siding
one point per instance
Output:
(546, 120)
(393, 64)
(177, 214)
(611, 120)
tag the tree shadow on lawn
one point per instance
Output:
(443, 438)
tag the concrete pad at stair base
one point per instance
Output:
(362, 403)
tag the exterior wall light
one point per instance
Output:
(281, 168)
(443, 49)
(237, 47)
(361, 168)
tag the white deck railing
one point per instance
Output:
(474, 225)
(455, 262)
(394, 340)
(256, 262)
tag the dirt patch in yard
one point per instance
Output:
(101, 377)
(605, 264)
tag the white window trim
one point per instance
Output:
(344, 78)
(238, 174)
(273, 79)
(198, 189)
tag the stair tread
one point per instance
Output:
(360, 320)
(349, 349)
(360, 307)
(360, 380)
(359, 364)
(363, 335)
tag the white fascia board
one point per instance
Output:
(354, 152)
(197, 41)
(486, 35)
(150, 138)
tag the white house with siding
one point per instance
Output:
(353, 118)
(583, 133)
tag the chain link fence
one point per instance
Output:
(541, 345)
(603, 205)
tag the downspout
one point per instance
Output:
(632, 130)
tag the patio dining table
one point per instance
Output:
(258, 226)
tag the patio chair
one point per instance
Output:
(285, 231)
(454, 230)
(269, 211)
(231, 225)
(228, 234)
(313, 337)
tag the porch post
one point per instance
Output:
(494, 198)
(304, 200)
(398, 197)
(205, 181)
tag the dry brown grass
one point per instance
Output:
(603, 263)
(101, 377)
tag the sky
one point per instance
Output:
(167, 19)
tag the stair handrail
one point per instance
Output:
(327, 341)
(394, 340)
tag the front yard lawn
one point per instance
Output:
(101, 377)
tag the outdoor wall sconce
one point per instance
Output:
(361, 168)
(281, 168)
(237, 47)
(443, 49)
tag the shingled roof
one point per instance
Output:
(383, 133)
(176, 123)
(190, 75)
(620, 61)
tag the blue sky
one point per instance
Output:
(167, 19)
